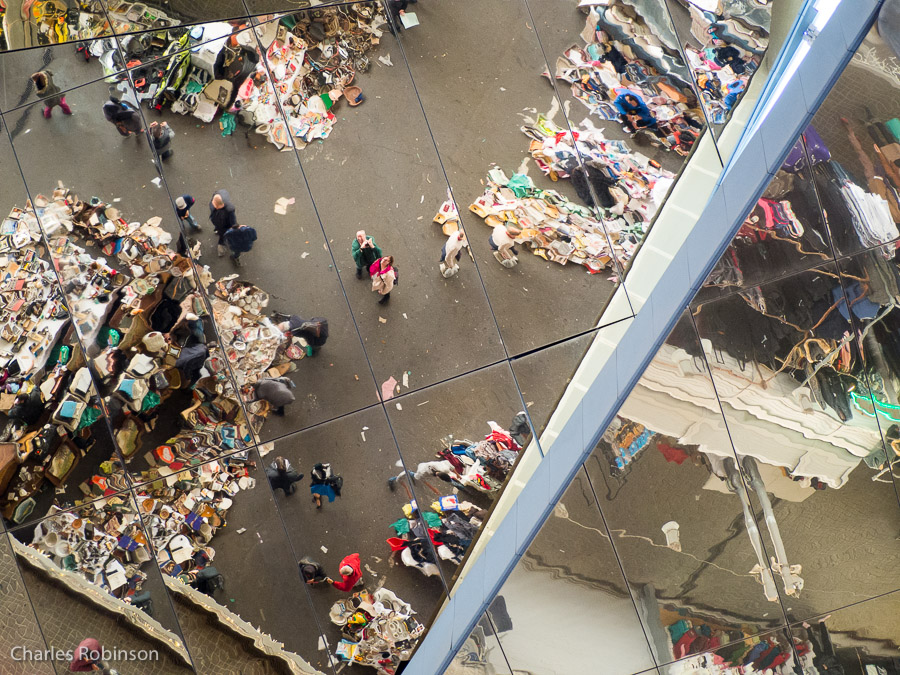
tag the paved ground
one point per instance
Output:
(379, 171)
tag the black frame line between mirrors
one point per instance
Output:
(477, 648)
(68, 525)
(493, 187)
(220, 577)
(47, 60)
(725, 467)
(75, 441)
(94, 398)
(776, 209)
(11, 584)
(454, 440)
(863, 328)
(238, 12)
(186, 232)
(582, 587)
(791, 597)
(204, 292)
(773, 648)
(127, 56)
(735, 55)
(858, 634)
(626, 266)
(285, 447)
(68, 18)
(107, 421)
(355, 306)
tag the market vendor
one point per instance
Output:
(351, 573)
(277, 392)
(26, 411)
(634, 113)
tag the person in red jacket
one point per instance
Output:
(351, 573)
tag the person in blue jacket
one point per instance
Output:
(239, 239)
(634, 113)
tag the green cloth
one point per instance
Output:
(108, 337)
(432, 520)
(150, 401)
(226, 121)
(326, 99)
(193, 87)
(520, 184)
(893, 125)
(89, 416)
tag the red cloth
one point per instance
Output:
(672, 454)
(349, 581)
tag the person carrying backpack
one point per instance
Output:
(324, 483)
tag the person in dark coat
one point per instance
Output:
(123, 116)
(191, 360)
(161, 135)
(239, 239)
(277, 392)
(49, 93)
(222, 216)
(282, 476)
(314, 331)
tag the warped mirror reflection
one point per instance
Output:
(20, 631)
(91, 574)
(568, 589)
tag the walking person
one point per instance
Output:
(323, 483)
(183, 206)
(384, 277)
(123, 116)
(277, 392)
(161, 134)
(452, 251)
(351, 574)
(88, 658)
(222, 216)
(282, 476)
(239, 239)
(365, 252)
(49, 93)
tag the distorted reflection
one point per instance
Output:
(724, 47)
(27, 24)
(480, 654)
(568, 589)
(630, 70)
(784, 232)
(775, 652)
(197, 520)
(853, 147)
(99, 556)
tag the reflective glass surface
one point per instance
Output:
(288, 287)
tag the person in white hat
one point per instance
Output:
(183, 206)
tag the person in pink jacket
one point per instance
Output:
(351, 573)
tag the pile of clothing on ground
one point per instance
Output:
(103, 543)
(615, 79)
(727, 48)
(216, 68)
(696, 646)
(378, 630)
(626, 185)
(555, 228)
(622, 441)
(449, 524)
(137, 307)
